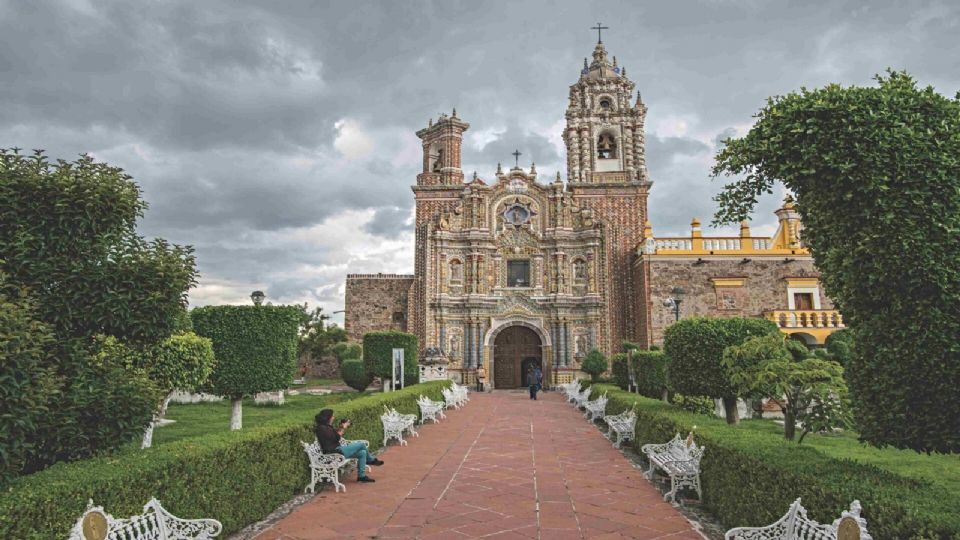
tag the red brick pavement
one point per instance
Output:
(503, 467)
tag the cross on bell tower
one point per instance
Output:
(599, 27)
(516, 158)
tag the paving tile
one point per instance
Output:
(503, 467)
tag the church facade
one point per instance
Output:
(516, 270)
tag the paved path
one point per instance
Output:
(503, 467)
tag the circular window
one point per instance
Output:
(605, 104)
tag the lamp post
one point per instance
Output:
(257, 297)
(674, 301)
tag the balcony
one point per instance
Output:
(813, 325)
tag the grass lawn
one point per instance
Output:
(316, 381)
(942, 469)
(197, 419)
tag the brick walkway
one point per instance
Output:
(503, 467)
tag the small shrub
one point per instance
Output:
(595, 364)
(353, 373)
(694, 404)
(378, 355)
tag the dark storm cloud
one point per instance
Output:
(255, 127)
(390, 222)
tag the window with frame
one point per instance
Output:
(518, 273)
(456, 272)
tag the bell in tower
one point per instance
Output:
(604, 135)
(442, 143)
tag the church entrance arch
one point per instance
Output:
(515, 347)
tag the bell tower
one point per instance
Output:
(442, 143)
(604, 132)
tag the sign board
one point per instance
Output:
(397, 369)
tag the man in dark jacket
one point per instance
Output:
(329, 439)
(533, 382)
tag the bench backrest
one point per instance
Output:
(155, 523)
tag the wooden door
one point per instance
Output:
(803, 300)
(514, 348)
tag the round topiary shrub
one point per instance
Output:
(594, 364)
(378, 355)
(651, 373)
(355, 375)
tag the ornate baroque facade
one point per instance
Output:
(513, 271)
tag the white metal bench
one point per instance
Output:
(621, 426)
(680, 460)
(461, 393)
(395, 424)
(570, 390)
(596, 409)
(325, 467)
(155, 523)
(430, 410)
(580, 399)
(795, 525)
(451, 400)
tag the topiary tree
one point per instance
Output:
(695, 348)
(651, 373)
(255, 349)
(68, 235)
(378, 355)
(595, 364)
(876, 174)
(811, 389)
(355, 375)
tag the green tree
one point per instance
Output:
(68, 236)
(255, 349)
(840, 346)
(344, 351)
(595, 364)
(652, 368)
(695, 347)
(29, 383)
(876, 174)
(317, 338)
(811, 390)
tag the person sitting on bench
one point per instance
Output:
(329, 439)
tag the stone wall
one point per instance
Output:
(376, 302)
(711, 290)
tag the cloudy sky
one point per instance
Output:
(278, 137)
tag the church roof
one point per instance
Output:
(601, 67)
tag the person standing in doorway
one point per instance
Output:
(481, 376)
(532, 382)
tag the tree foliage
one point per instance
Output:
(840, 346)
(28, 383)
(876, 174)
(695, 347)
(378, 355)
(811, 390)
(651, 373)
(317, 338)
(594, 364)
(344, 351)
(68, 240)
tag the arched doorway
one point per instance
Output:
(515, 348)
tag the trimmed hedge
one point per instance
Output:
(620, 370)
(750, 478)
(651, 368)
(238, 477)
(378, 355)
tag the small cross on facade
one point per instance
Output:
(516, 158)
(599, 27)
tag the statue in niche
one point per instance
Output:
(444, 223)
(455, 347)
(580, 346)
